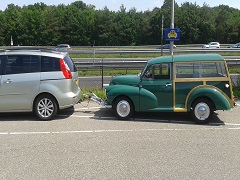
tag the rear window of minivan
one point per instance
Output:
(53, 64)
(70, 64)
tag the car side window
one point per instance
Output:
(1, 64)
(17, 64)
(49, 64)
(200, 70)
(158, 71)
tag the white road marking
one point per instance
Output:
(87, 116)
(237, 128)
(158, 120)
(221, 126)
(86, 108)
(19, 133)
(117, 130)
(230, 124)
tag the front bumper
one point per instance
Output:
(107, 105)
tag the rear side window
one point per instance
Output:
(50, 64)
(201, 70)
(17, 64)
(70, 64)
(1, 64)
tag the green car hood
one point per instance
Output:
(131, 80)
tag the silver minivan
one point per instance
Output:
(38, 80)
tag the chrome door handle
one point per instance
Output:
(168, 84)
(8, 81)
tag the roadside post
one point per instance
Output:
(172, 34)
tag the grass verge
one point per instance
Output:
(99, 92)
(236, 92)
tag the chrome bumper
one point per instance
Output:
(107, 105)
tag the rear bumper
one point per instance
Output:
(68, 100)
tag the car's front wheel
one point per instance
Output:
(202, 111)
(45, 107)
(123, 108)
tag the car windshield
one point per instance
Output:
(144, 69)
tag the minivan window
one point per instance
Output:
(70, 64)
(17, 64)
(49, 64)
(1, 64)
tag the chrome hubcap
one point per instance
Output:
(202, 111)
(45, 107)
(123, 108)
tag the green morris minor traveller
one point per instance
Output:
(197, 84)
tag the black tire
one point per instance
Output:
(45, 107)
(123, 108)
(201, 111)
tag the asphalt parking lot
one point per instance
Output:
(88, 142)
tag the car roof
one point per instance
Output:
(186, 58)
(214, 42)
(63, 45)
(33, 51)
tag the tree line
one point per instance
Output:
(79, 24)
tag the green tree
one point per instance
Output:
(2, 28)
(81, 24)
(12, 14)
(207, 29)
(188, 20)
(226, 28)
(30, 25)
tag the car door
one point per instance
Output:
(19, 83)
(2, 60)
(157, 81)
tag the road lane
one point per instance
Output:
(90, 143)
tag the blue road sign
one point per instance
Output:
(172, 34)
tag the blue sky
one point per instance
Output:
(140, 5)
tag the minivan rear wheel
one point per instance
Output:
(45, 107)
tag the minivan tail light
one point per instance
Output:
(65, 69)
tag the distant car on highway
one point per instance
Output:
(237, 45)
(63, 47)
(212, 45)
(167, 46)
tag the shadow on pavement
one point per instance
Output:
(28, 116)
(161, 117)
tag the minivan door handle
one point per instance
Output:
(8, 81)
(168, 84)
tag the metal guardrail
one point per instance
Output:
(129, 63)
(153, 51)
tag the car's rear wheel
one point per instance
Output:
(45, 107)
(123, 108)
(202, 111)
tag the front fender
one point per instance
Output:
(122, 90)
(220, 100)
